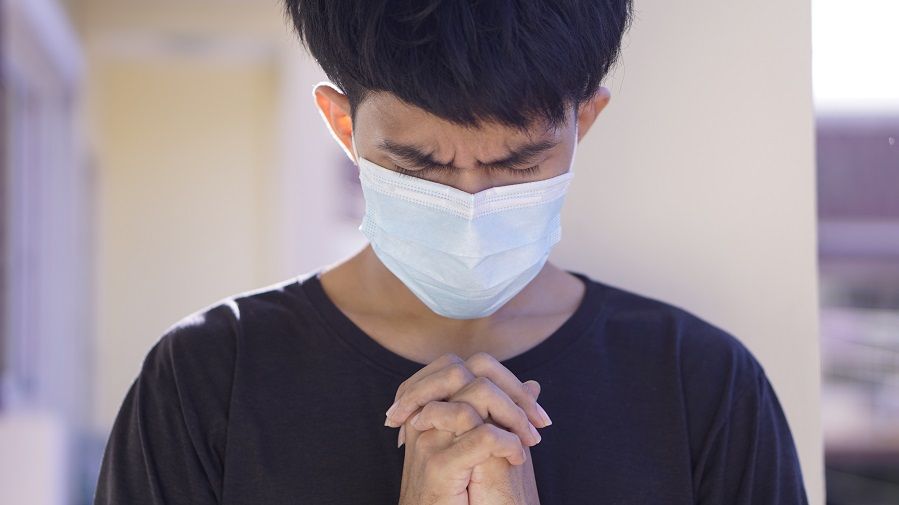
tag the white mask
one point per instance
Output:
(463, 255)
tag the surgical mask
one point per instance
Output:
(463, 255)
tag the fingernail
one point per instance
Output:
(400, 439)
(544, 415)
(534, 433)
(387, 420)
(391, 409)
(415, 418)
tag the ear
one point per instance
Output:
(334, 108)
(590, 109)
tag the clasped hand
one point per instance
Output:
(468, 426)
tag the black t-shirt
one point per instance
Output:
(274, 396)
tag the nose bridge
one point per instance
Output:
(471, 179)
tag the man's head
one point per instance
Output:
(465, 82)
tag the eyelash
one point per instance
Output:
(440, 168)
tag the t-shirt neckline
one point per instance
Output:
(577, 324)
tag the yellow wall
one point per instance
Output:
(184, 134)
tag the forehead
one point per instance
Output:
(387, 116)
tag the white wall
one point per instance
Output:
(697, 186)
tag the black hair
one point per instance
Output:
(466, 61)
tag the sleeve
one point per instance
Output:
(167, 442)
(750, 458)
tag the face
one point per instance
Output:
(407, 139)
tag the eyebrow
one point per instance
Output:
(417, 156)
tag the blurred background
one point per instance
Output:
(856, 84)
(159, 156)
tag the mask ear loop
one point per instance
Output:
(574, 152)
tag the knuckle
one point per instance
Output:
(403, 401)
(483, 387)
(481, 361)
(483, 381)
(473, 417)
(452, 358)
(400, 390)
(467, 416)
(458, 373)
(412, 402)
(488, 434)
(427, 441)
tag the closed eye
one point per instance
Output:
(442, 168)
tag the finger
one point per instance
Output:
(478, 445)
(443, 413)
(434, 366)
(439, 385)
(534, 387)
(483, 364)
(455, 417)
(489, 400)
(401, 436)
(438, 364)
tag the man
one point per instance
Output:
(451, 325)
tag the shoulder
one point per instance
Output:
(710, 361)
(189, 372)
(724, 402)
(211, 334)
(199, 350)
(205, 338)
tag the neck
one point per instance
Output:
(372, 295)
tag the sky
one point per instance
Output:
(855, 55)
